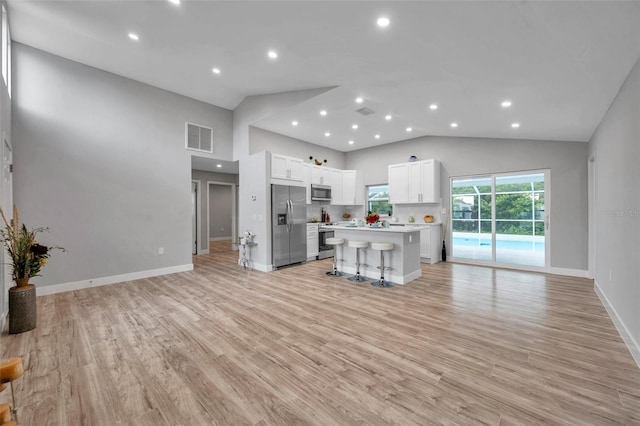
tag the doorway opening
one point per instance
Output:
(221, 212)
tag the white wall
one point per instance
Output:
(100, 159)
(220, 207)
(254, 212)
(255, 108)
(471, 156)
(616, 149)
(5, 132)
(264, 140)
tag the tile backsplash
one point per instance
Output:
(400, 211)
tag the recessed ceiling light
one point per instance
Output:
(454, 124)
(377, 136)
(515, 125)
(409, 129)
(218, 165)
(323, 112)
(354, 127)
(350, 142)
(359, 100)
(294, 123)
(327, 134)
(176, 2)
(272, 54)
(134, 36)
(387, 117)
(383, 22)
(505, 104)
(216, 70)
(433, 106)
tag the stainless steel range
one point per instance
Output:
(324, 250)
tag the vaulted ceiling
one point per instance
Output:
(560, 64)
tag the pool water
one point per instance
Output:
(524, 245)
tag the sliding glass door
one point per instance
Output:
(501, 218)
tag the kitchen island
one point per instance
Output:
(404, 259)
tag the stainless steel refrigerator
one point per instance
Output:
(288, 225)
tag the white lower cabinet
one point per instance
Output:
(430, 244)
(312, 241)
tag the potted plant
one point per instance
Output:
(27, 259)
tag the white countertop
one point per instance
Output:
(397, 229)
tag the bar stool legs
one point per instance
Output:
(335, 242)
(358, 245)
(382, 247)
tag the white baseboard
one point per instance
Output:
(580, 273)
(373, 274)
(258, 266)
(220, 238)
(97, 282)
(203, 251)
(632, 345)
(552, 270)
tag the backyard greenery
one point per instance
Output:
(519, 208)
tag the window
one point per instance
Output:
(378, 200)
(199, 138)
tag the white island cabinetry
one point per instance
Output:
(404, 259)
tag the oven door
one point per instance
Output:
(324, 250)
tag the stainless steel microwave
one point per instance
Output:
(320, 193)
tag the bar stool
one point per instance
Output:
(10, 370)
(382, 247)
(358, 245)
(335, 242)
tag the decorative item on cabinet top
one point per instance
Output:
(413, 159)
(316, 161)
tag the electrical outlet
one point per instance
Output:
(161, 250)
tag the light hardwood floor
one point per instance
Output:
(220, 345)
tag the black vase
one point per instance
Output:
(444, 252)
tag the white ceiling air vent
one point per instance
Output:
(365, 111)
(199, 138)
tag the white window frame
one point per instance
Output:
(385, 214)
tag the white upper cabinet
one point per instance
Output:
(336, 187)
(414, 183)
(283, 167)
(349, 187)
(306, 179)
(430, 181)
(352, 188)
(399, 183)
(320, 175)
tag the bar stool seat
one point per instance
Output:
(382, 246)
(358, 245)
(335, 242)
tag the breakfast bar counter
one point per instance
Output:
(404, 259)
